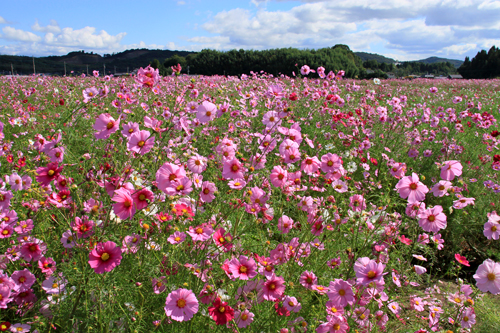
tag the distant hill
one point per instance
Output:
(79, 60)
(373, 56)
(433, 60)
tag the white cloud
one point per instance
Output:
(19, 35)
(2, 20)
(53, 27)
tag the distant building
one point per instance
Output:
(428, 76)
(440, 78)
(455, 76)
(390, 75)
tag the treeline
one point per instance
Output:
(289, 60)
(274, 61)
(485, 65)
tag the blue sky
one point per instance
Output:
(400, 29)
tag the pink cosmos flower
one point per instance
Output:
(237, 183)
(159, 285)
(441, 188)
(292, 155)
(83, 227)
(279, 176)
(105, 257)
(23, 279)
(243, 318)
(272, 289)
(461, 259)
(491, 230)
(54, 285)
(488, 277)
(308, 279)
(5, 197)
(5, 293)
(56, 154)
(310, 165)
(468, 318)
(20, 328)
(47, 265)
(206, 112)
(130, 243)
(200, 233)
(5, 230)
(89, 93)
(493, 217)
(141, 142)
(451, 169)
(357, 203)
(340, 293)
(197, 163)
(167, 173)
(129, 129)
(335, 324)
(243, 268)
(181, 305)
(271, 119)
(372, 272)
(124, 207)
(142, 198)
(410, 187)
(105, 125)
(207, 191)
(432, 219)
(330, 163)
(232, 169)
(291, 304)
(46, 174)
(15, 182)
(176, 238)
(285, 224)
(32, 249)
(463, 202)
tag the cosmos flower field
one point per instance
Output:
(247, 204)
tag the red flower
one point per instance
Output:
(293, 97)
(4, 326)
(462, 259)
(61, 102)
(221, 312)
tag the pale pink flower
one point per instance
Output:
(432, 219)
(129, 129)
(310, 165)
(279, 176)
(357, 203)
(491, 230)
(176, 238)
(141, 142)
(451, 169)
(488, 277)
(285, 224)
(167, 173)
(206, 112)
(181, 305)
(372, 272)
(340, 293)
(272, 289)
(441, 188)
(207, 191)
(243, 318)
(197, 163)
(105, 125)
(330, 162)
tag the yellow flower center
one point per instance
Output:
(491, 276)
(141, 143)
(105, 256)
(181, 303)
(110, 125)
(51, 173)
(371, 274)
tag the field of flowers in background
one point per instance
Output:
(259, 204)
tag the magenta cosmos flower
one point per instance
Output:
(410, 187)
(432, 219)
(181, 305)
(105, 257)
(46, 174)
(105, 125)
(233, 169)
(372, 272)
(124, 207)
(488, 277)
(272, 289)
(141, 142)
(450, 169)
(340, 293)
(243, 268)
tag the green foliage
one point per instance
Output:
(484, 65)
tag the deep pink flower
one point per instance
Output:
(285, 224)
(124, 207)
(372, 272)
(310, 165)
(159, 285)
(308, 279)
(105, 125)
(181, 305)
(232, 169)
(221, 312)
(142, 198)
(207, 191)
(167, 173)
(243, 268)
(450, 169)
(488, 277)
(410, 187)
(32, 249)
(357, 203)
(272, 289)
(335, 324)
(461, 259)
(141, 142)
(105, 257)
(46, 174)
(279, 176)
(330, 163)
(432, 219)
